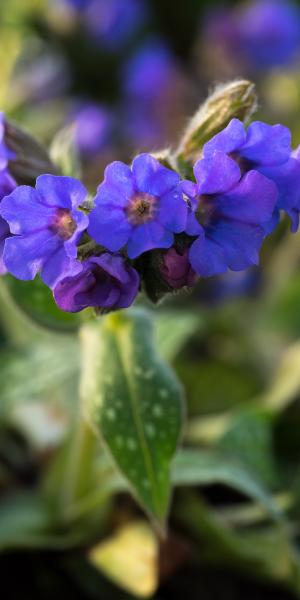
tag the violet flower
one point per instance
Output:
(228, 214)
(267, 149)
(105, 281)
(46, 228)
(139, 207)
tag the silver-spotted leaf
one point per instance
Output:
(133, 399)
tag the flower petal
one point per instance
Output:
(148, 236)
(59, 266)
(287, 180)
(25, 255)
(63, 192)
(216, 174)
(110, 196)
(82, 222)
(240, 242)
(109, 227)
(251, 201)
(24, 212)
(267, 144)
(119, 178)
(206, 257)
(152, 177)
(172, 211)
(231, 139)
(193, 227)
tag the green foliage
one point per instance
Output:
(36, 301)
(195, 467)
(134, 401)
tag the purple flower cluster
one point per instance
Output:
(201, 227)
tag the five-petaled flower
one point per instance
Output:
(140, 208)
(46, 228)
(105, 281)
(228, 214)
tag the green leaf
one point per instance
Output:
(249, 436)
(35, 300)
(132, 398)
(195, 467)
(46, 369)
(267, 552)
(23, 520)
(173, 329)
(285, 387)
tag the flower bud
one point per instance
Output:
(176, 269)
(236, 99)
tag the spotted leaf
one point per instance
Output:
(134, 401)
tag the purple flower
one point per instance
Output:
(149, 71)
(176, 269)
(153, 90)
(228, 214)
(105, 281)
(113, 22)
(46, 228)
(269, 32)
(5, 153)
(267, 149)
(260, 34)
(139, 207)
(93, 126)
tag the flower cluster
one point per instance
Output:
(147, 213)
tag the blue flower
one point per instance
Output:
(113, 22)
(258, 35)
(93, 128)
(267, 149)
(269, 32)
(228, 214)
(139, 207)
(154, 91)
(104, 281)
(46, 228)
(149, 71)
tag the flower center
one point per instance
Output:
(141, 208)
(205, 210)
(63, 224)
(243, 163)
